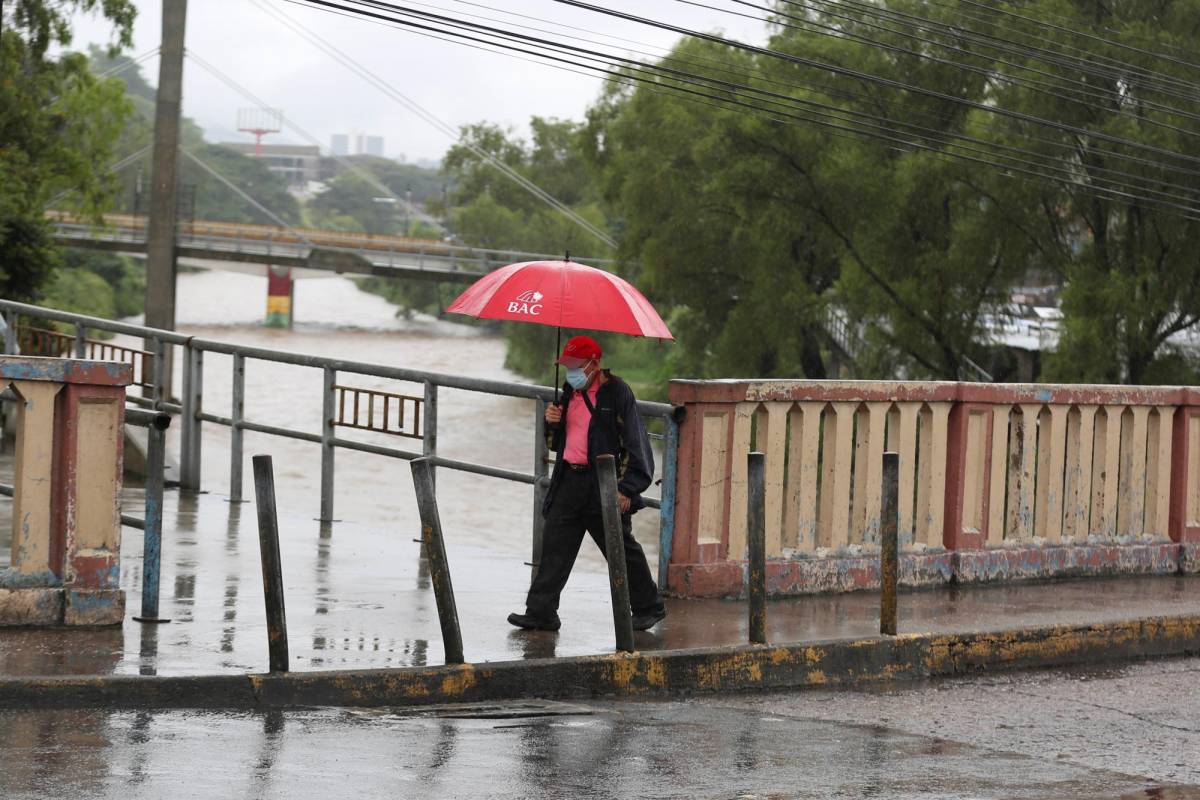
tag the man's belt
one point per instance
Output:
(577, 467)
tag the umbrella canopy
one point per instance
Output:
(562, 294)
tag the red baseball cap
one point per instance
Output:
(578, 351)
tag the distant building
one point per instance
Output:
(358, 144)
(297, 164)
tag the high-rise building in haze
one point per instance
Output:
(359, 144)
(368, 145)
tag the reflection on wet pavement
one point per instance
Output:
(669, 749)
(360, 597)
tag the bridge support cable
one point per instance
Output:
(350, 166)
(242, 194)
(426, 115)
(116, 166)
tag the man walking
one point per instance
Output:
(598, 416)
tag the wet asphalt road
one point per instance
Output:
(1128, 732)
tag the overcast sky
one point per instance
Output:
(457, 84)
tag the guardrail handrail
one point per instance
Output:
(193, 415)
(486, 385)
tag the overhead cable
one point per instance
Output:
(433, 120)
(1114, 189)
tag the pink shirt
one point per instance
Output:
(578, 419)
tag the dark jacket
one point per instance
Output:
(617, 429)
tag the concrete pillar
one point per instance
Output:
(280, 289)
(66, 492)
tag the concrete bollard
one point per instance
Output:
(272, 567)
(614, 550)
(756, 539)
(156, 446)
(889, 551)
(435, 551)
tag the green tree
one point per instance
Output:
(216, 201)
(492, 210)
(1133, 279)
(58, 128)
(756, 227)
(351, 196)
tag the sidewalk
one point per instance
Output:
(358, 598)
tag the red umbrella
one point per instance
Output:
(562, 294)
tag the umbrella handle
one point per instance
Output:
(557, 350)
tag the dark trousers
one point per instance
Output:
(574, 510)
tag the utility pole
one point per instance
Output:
(160, 233)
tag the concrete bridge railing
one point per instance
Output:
(997, 481)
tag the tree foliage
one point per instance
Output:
(767, 235)
(58, 127)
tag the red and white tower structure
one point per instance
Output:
(259, 122)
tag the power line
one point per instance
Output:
(242, 194)
(1082, 34)
(1040, 86)
(822, 87)
(116, 166)
(1113, 189)
(432, 119)
(1107, 68)
(889, 82)
(364, 174)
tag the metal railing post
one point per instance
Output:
(429, 427)
(666, 510)
(236, 415)
(80, 340)
(10, 333)
(756, 541)
(156, 446)
(614, 551)
(327, 420)
(541, 484)
(272, 567)
(889, 551)
(193, 404)
(435, 551)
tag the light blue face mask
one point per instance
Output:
(577, 378)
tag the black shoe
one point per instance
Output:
(532, 623)
(646, 621)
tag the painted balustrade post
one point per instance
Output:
(1184, 526)
(969, 443)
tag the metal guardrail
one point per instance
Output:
(190, 350)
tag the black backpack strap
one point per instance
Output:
(587, 401)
